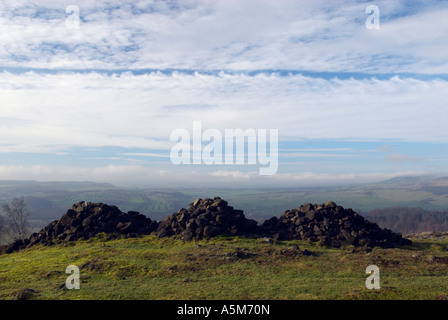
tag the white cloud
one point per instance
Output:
(131, 111)
(139, 176)
(229, 35)
(402, 158)
(317, 155)
(146, 154)
(234, 176)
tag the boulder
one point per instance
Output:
(24, 294)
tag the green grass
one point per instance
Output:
(224, 268)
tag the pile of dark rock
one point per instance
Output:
(85, 220)
(207, 218)
(330, 225)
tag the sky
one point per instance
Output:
(96, 91)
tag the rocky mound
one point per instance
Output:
(331, 225)
(327, 223)
(206, 218)
(84, 221)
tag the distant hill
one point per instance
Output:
(48, 200)
(51, 185)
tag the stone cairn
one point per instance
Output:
(328, 224)
(331, 225)
(207, 218)
(85, 220)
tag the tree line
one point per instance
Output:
(409, 219)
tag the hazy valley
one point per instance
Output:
(413, 204)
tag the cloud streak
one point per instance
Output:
(96, 109)
(226, 35)
(140, 176)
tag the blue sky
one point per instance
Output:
(351, 105)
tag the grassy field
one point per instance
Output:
(224, 268)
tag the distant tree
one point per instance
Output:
(2, 228)
(409, 219)
(17, 215)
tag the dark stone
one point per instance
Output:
(306, 253)
(306, 207)
(330, 204)
(211, 231)
(15, 246)
(311, 215)
(197, 202)
(199, 231)
(128, 227)
(249, 226)
(202, 222)
(348, 236)
(71, 237)
(87, 222)
(24, 294)
(191, 225)
(66, 220)
(187, 235)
